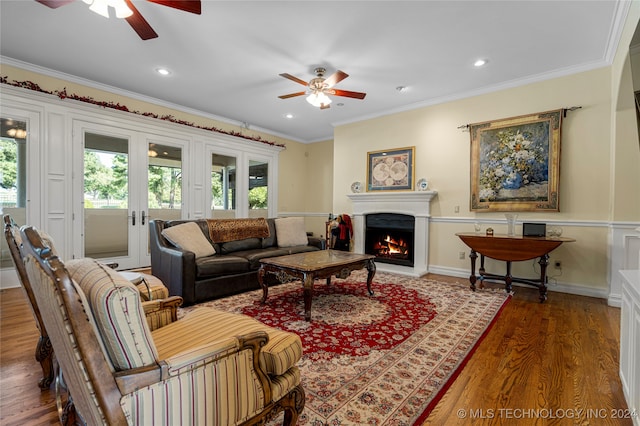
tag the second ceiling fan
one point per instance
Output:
(320, 87)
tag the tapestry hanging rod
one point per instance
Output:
(465, 127)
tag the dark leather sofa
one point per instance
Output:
(232, 269)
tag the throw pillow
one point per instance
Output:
(290, 232)
(189, 237)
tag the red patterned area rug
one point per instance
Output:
(384, 359)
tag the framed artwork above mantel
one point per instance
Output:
(515, 163)
(391, 169)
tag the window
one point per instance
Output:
(258, 189)
(13, 175)
(223, 186)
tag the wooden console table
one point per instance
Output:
(511, 249)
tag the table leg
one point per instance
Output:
(371, 267)
(265, 287)
(543, 262)
(508, 278)
(472, 278)
(308, 295)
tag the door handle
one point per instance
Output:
(143, 216)
(133, 218)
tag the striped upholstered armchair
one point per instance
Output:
(158, 306)
(208, 368)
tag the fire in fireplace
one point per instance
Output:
(390, 237)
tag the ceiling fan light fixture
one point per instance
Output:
(122, 10)
(318, 99)
(101, 7)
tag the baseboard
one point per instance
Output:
(9, 279)
(569, 288)
(614, 300)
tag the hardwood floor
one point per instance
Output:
(551, 363)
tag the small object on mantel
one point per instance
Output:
(489, 231)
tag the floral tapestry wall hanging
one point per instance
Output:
(390, 169)
(515, 163)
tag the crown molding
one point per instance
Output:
(137, 96)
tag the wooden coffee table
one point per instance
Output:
(310, 266)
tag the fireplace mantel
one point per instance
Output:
(417, 204)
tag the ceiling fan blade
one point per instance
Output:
(54, 4)
(296, 79)
(346, 93)
(336, 78)
(191, 6)
(139, 24)
(292, 95)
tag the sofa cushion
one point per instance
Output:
(246, 244)
(301, 249)
(290, 232)
(213, 266)
(204, 325)
(189, 237)
(254, 256)
(115, 304)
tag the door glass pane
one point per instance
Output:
(106, 196)
(165, 182)
(223, 187)
(258, 173)
(13, 177)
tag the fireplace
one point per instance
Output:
(390, 237)
(410, 207)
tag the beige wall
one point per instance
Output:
(319, 194)
(591, 167)
(305, 176)
(442, 150)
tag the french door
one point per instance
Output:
(122, 179)
(19, 177)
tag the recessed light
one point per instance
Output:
(480, 62)
(288, 116)
(163, 71)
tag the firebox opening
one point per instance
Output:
(390, 237)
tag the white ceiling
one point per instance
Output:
(226, 62)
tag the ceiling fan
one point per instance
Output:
(135, 18)
(320, 87)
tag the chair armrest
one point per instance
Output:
(220, 352)
(161, 312)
